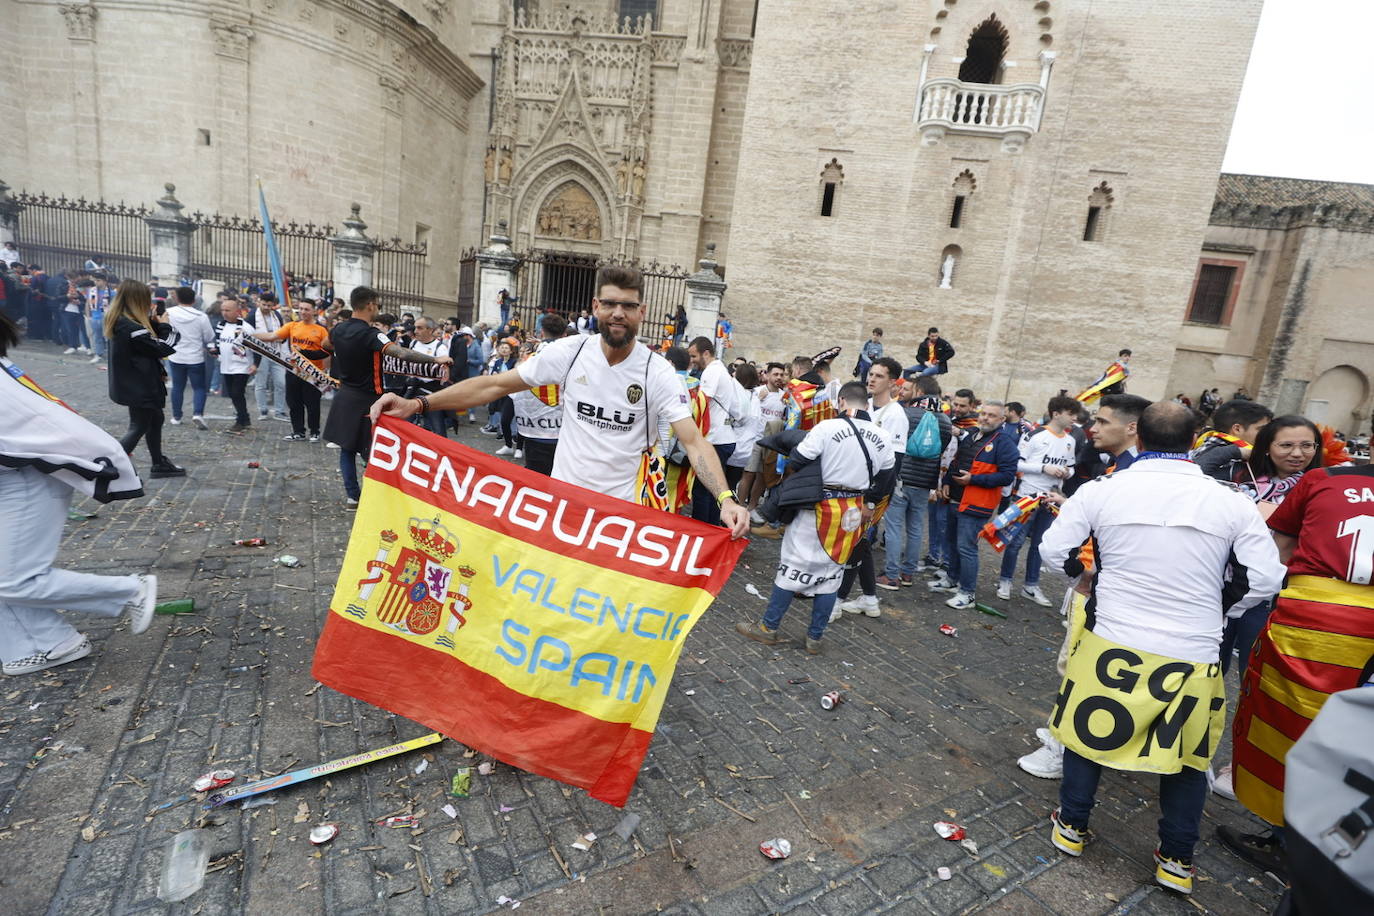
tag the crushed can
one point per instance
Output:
(323, 834)
(215, 779)
(950, 831)
(831, 700)
(289, 561)
(400, 820)
(776, 848)
(250, 542)
(949, 630)
(254, 464)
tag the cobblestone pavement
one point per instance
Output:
(930, 731)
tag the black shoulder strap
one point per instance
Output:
(571, 364)
(859, 436)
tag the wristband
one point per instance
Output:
(723, 495)
(424, 404)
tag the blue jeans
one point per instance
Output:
(97, 333)
(704, 505)
(961, 543)
(1181, 797)
(821, 608)
(33, 511)
(917, 371)
(348, 470)
(939, 522)
(1034, 530)
(180, 373)
(74, 330)
(904, 523)
(270, 376)
(1240, 634)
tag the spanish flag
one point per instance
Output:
(530, 619)
(1116, 372)
(1319, 640)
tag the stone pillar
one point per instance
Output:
(705, 290)
(496, 265)
(9, 215)
(85, 145)
(353, 252)
(169, 239)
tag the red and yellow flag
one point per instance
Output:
(528, 618)
(1116, 372)
(839, 525)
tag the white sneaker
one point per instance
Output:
(1225, 783)
(1046, 762)
(1044, 736)
(836, 614)
(331, 445)
(870, 606)
(69, 650)
(941, 583)
(351, 503)
(83, 349)
(200, 422)
(140, 610)
(755, 518)
(960, 601)
(69, 351)
(174, 421)
(1033, 593)
(852, 606)
(505, 450)
(519, 453)
(1004, 590)
(95, 360)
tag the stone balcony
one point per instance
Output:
(950, 106)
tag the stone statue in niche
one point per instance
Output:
(489, 164)
(507, 166)
(947, 272)
(622, 176)
(570, 213)
(638, 174)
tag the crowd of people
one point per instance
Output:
(1169, 530)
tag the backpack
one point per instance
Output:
(924, 441)
(1328, 808)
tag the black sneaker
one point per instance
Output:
(238, 428)
(165, 468)
(1261, 850)
(294, 437)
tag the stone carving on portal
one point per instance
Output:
(572, 103)
(570, 213)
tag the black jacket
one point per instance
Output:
(944, 352)
(135, 358)
(924, 473)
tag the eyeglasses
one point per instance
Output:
(623, 303)
(1296, 446)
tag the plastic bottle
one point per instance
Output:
(184, 871)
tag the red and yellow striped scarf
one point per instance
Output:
(1218, 434)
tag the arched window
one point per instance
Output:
(949, 265)
(987, 49)
(1099, 206)
(832, 176)
(964, 186)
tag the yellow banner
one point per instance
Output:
(1133, 710)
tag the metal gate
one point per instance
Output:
(565, 282)
(231, 249)
(61, 234)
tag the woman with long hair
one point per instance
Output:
(138, 343)
(1285, 449)
(47, 453)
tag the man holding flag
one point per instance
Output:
(613, 389)
(1111, 381)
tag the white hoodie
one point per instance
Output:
(195, 332)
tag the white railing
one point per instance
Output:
(980, 108)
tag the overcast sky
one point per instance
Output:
(1307, 106)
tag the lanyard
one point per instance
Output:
(1171, 456)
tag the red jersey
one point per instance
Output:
(1331, 513)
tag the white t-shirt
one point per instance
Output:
(611, 412)
(1039, 450)
(533, 418)
(720, 391)
(234, 357)
(892, 418)
(772, 406)
(842, 458)
(748, 432)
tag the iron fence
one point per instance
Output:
(61, 234)
(467, 286)
(566, 283)
(231, 249)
